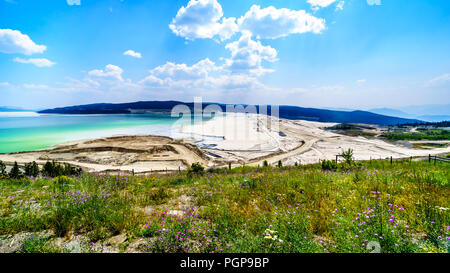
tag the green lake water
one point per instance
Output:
(28, 133)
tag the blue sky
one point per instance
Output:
(316, 53)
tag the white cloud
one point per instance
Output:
(37, 62)
(374, 2)
(201, 19)
(439, 80)
(361, 81)
(73, 2)
(234, 82)
(204, 75)
(204, 19)
(340, 5)
(4, 84)
(133, 54)
(110, 72)
(275, 23)
(321, 3)
(35, 86)
(13, 41)
(183, 71)
(247, 55)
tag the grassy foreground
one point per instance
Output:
(373, 207)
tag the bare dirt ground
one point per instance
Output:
(237, 139)
(251, 139)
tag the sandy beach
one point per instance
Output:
(235, 138)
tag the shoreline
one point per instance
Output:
(238, 139)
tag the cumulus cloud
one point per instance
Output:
(374, 2)
(110, 72)
(133, 54)
(13, 41)
(37, 62)
(203, 19)
(180, 75)
(275, 23)
(73, 2)
(247, 55)
(204, 75)
(200, 69)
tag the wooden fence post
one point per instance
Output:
(391, 160)
(429, 158)
(336, 158)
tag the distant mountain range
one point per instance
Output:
(288, 112)
(431, 113)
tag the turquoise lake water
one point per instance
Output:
(28, 133)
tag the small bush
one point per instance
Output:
(36, 244)
(348, 156)
(61, 183)
(196, 168)
(329, 165)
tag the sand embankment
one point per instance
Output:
(124, 153)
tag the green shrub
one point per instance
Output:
(348, 156)
(36, 244)
(196, 168)
(329, 165)
(3, 169)
(31, 169)
(54, 169)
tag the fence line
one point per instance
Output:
(437, 158)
